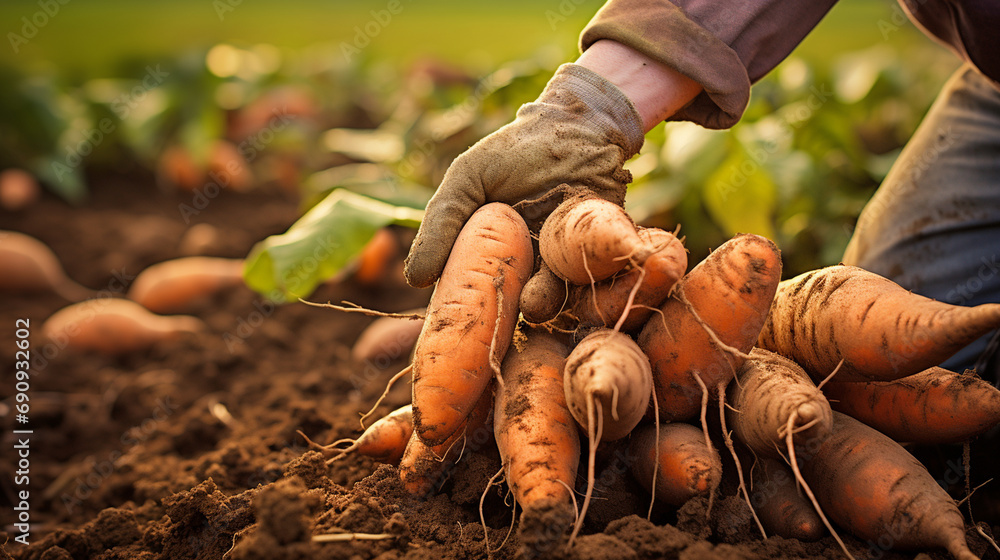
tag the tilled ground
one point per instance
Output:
(190, 449)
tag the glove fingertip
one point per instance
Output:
(423, 265)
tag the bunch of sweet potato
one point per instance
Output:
(616, 341)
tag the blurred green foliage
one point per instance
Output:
(369, 113)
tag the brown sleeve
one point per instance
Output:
(971, 28)
(724, 46)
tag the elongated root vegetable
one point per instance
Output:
(685, 467)
(470, 320)
(782, 507)
(378, 255)
(878, 491)
(537, 437)
(772, 395)
(113, 326)
(543, 297)
(931, 407)
(384, 441)
(603, 304)
(607, 375)
(424, 468)
(608, 386)
(589, 239)
(775, 406)
(711, 320)
(879, 329)
(176, 285)
(28, 266)
(387, 339)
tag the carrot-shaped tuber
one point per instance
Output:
(113, 326)
(685, 467)
(608, 385)
(387, 339)
(538, 439)
(636, 290)
(424, 468)
(28, 266)
(771, 395)
(879, 329)
(781, 505)
(470, 320)
(587, 239)
(775, 406)
(709, 322)
(875, 489)
(931, 407)
(175, 286)
(543, 297)
(376, 258)
(384, 441)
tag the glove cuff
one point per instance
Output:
(606, 106)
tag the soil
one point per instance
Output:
(190, 449)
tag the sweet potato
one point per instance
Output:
(711, 321)
(637, 289)
(424, 468)
(177, 285)
(543, 297)
(376, 258)
(387, 339)
(608, 386)
(771, 396)
(879, 329)
(384, 441)
(782, 507)
(587, 239)
(685, 467)
(28, 266)
(538, 439)
(18, 189)
(931, 407)
(470, 320)
(113, 326)
(875, 489)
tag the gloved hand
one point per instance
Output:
(580, 131)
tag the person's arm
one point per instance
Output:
(656, 90)
(722, 45)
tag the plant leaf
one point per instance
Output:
(740, 196)
(289, 266)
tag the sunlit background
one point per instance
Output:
(379, 96)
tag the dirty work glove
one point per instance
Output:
(580, 131)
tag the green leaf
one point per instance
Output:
(289, 266)
(740, 196)
(57, 174)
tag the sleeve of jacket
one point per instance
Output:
(723, 45)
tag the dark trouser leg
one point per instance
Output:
(934, 225)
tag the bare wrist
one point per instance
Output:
(656, 90)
